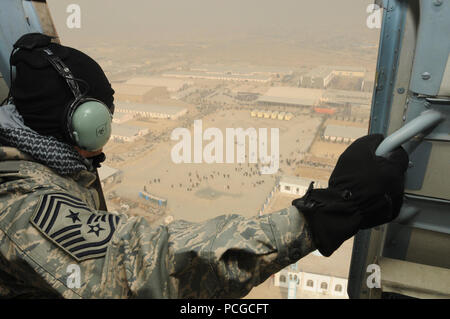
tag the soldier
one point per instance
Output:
(51, 222)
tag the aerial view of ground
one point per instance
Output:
(200, 191)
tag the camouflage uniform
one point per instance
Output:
(49, 222)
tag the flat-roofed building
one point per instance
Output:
(291, 96)
(322, 76)
(137, 93)
(109, 175)
(127, 133)
(219, 76)
(318, 277)
(343, 134)
(294, 185)
(241, 69)
(172, 85)
(318, 78)
(346, 98)
(152, 110)
(120, 117)
(368, 82)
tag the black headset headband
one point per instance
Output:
(64, 71)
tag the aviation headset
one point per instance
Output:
(87, 121)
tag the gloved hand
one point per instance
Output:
(364, 191)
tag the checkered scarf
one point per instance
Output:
(59, 156)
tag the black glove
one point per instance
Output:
(363, 191)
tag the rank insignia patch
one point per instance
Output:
(69, 223)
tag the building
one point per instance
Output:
(346, 98)
(151, 110)
(219, 76)
(368, 82)
(294, 185)
(288, 116)
(291, 96)
(343, 134)
(109, 176)
(325, 110)
(316, 276)
(172, 85)
(127, 133)
(322, 76)
(275, 71)
(317, 284)
(319, 78)
(137, 93)
(120, 118)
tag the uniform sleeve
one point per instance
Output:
(224, 257)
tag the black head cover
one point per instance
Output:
(31, 41)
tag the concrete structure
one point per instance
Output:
(294, 185)
(315, 283)
(151, 110)
(322, 76)
(288, 116)
(291, 96)
(318, 276)
(368, 82)
(343, 134)
(137, 93)
(172, 85)
(127, 133)
(346, 98)
(120, 118)
(325, 110)
(218, 76)
(242, 69)
(109, 176)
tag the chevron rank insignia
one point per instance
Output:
(68, 222)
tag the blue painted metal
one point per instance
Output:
(394, 15)
(432, 52)
(418, 105)
(17, 17)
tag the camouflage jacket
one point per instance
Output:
(54, 242)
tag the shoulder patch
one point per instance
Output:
(68, 222)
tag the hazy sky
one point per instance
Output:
(174, 19)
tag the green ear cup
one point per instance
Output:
(91, 125)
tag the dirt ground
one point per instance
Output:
(198, 191)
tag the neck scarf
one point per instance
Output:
(59, 156)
